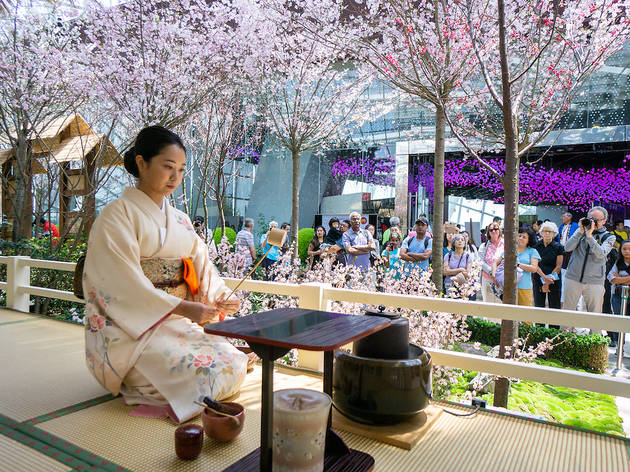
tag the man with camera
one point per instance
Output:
(586, 271)
(200, 227)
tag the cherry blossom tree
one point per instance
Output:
(156, 62)
(226, 132)
(37, 86)
(533, 59)
(311, 94)
(420, 48)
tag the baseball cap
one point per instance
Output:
(422, 220)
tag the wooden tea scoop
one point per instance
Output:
(276, 238)
(215, 411)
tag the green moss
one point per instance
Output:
(569, 406)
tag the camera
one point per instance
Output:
(198, 221)
(586, 222)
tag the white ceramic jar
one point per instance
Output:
(300, 417)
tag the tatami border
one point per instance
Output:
(69, 409)
(56, 447)
(19, 321)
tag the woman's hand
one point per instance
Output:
(228, 305)
(548, 280)
(196, 312)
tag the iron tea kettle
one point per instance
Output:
(389, 343)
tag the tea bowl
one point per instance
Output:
(224, 428)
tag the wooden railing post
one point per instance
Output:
(18, 274)
(311, 296)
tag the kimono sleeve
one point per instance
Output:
(113, 277)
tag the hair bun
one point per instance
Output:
(149, 143)
(130, 162)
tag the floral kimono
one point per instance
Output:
(134, 344)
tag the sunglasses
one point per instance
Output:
(494, 229)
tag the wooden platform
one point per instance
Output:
(404, 435)
(54, 417)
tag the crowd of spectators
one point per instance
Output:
(577, 264)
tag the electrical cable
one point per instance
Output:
(462, 414)
(477, 408)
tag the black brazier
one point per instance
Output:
(382, 391)
(385, 380)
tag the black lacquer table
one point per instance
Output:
(271, 335)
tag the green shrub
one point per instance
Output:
(229, 232)
(588, 351)
(484, 331)
(305, 236)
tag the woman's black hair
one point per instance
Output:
(149, 143)
(315, 240)
(621, 262)
(531, 235)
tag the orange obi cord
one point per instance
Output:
(190, 276)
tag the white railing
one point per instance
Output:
(318, 296)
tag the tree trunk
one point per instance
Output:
(295, 209)
(509, 329)
(22, 201)
(209, 237)
(438, 198)
(219, 199)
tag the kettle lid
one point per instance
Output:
(381, 312)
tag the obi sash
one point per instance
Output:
(175, 276)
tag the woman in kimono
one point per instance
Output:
(149, 285)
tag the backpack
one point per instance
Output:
(611, 258)
(601, 238)
(426, 244)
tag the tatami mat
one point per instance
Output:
(486, 441)
(43, 368)
(16, 457)
(10, 316)
(147, 444)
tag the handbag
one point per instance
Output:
(500, 274)
(77, 281)
(459, 279)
